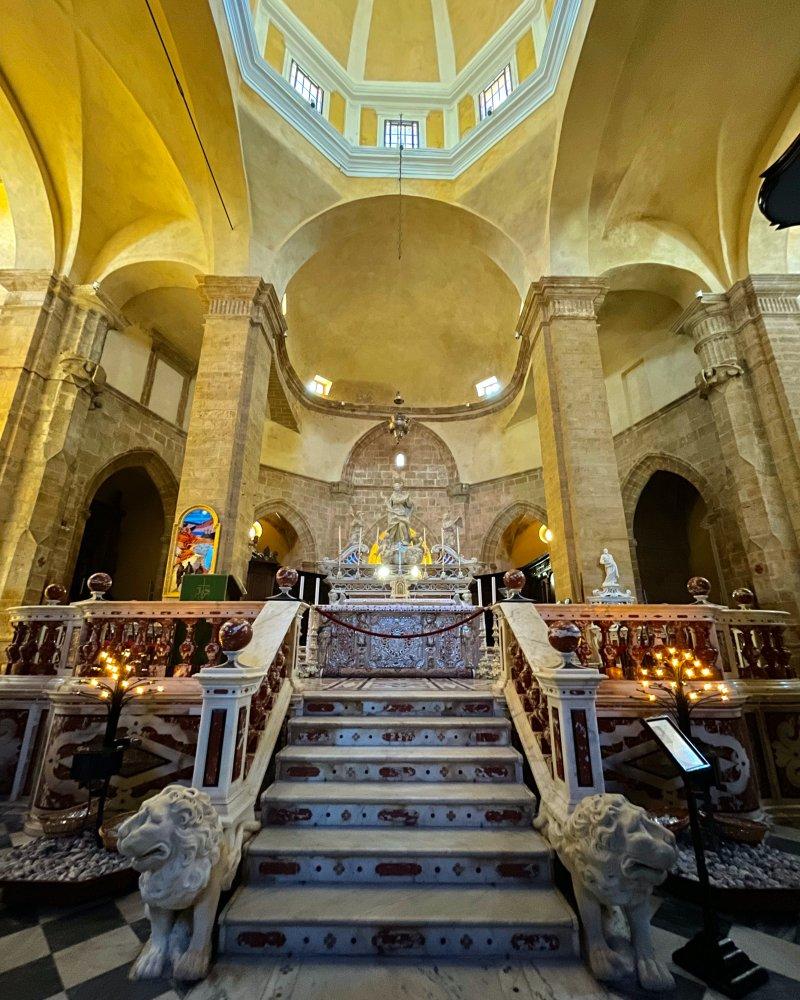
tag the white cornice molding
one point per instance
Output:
(434, 164)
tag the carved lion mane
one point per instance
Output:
(619, 851)
(176, 841)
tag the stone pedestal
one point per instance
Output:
(223, 446)
(51, 338)
(581, 478)
(743, 388)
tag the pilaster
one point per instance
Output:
(739, 397)
(53, 335)
(581, 479)
(223, 446)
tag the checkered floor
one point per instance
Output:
(84, 952)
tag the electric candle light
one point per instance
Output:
(676, 683)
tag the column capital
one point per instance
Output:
(709, 322)
(31, 287)
(234, 297)
(561, 298)
(765, 295)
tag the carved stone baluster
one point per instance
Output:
(28, 650)
(13, 648)
(48, 650)
(704, 648)
(750, 654)
(213, 649)
(90, 648)
(783, 657)
(608, 651)
(186, 651)
(768, 653)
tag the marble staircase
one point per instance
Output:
(399, 823)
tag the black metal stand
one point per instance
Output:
(714, 959)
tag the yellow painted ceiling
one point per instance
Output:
(401, 43)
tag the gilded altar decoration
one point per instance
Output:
(195, 541)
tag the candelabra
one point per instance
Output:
(680, 681)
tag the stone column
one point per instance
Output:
(53, 337)
(223, 446)
(740, 398)
(765, 310)
(581, 479)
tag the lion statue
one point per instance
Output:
(176, 842)
(616, 855)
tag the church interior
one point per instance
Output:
(399, 499)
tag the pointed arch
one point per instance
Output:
(491, 543)
(306, 548)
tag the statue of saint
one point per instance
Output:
(612, 571)
(400, 509)
(356, 526)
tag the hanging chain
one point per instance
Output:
(400, 196)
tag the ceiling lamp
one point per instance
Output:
(399, 423)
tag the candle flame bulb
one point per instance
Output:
(651, 697)
(160, 688)
(693, 696)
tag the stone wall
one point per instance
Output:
(119, 434)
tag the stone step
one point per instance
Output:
(406, 804)
(399, 763)
(349, 730)
(525, 923)
(392, 857)
(400, 704)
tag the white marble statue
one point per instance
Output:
(616, 855)
(611, 568)
(400, 509)
(176, 842)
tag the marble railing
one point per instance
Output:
(735, 643)
(552, 699)
(245, 701)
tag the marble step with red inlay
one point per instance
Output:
(399, 763)
(398, 856)
(364, 731)
(398, 705)
(408, 804)
(532, 923)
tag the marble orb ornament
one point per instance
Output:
(699, 588)
(54, 593)
(744, 598)
(286, 578)
(565, 638)
(513, 582)
(99, 585)
(234, 635)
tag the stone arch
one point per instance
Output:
(162, 478)
(506, 517)
(430, 462)
(639, 476)
(305, 550)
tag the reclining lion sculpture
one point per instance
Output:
(616, 855)
(176, 842)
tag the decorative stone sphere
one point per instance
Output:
(699, 588)
(99, 584)
(286, 577)
(564, 637)
(514, 580)
(235, 634)
(54, 593)
(744, 598)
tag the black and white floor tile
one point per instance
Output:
(84, 953)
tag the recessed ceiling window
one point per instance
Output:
(311, 92)
(320, 386)
(487, 387)
(499, 89)
(397, 133)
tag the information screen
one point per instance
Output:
(677, 746)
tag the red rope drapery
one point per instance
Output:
(410, 635)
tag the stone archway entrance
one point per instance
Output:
(124, 535)
(673, 540)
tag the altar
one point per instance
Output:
(444, 639)
(398, 607)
